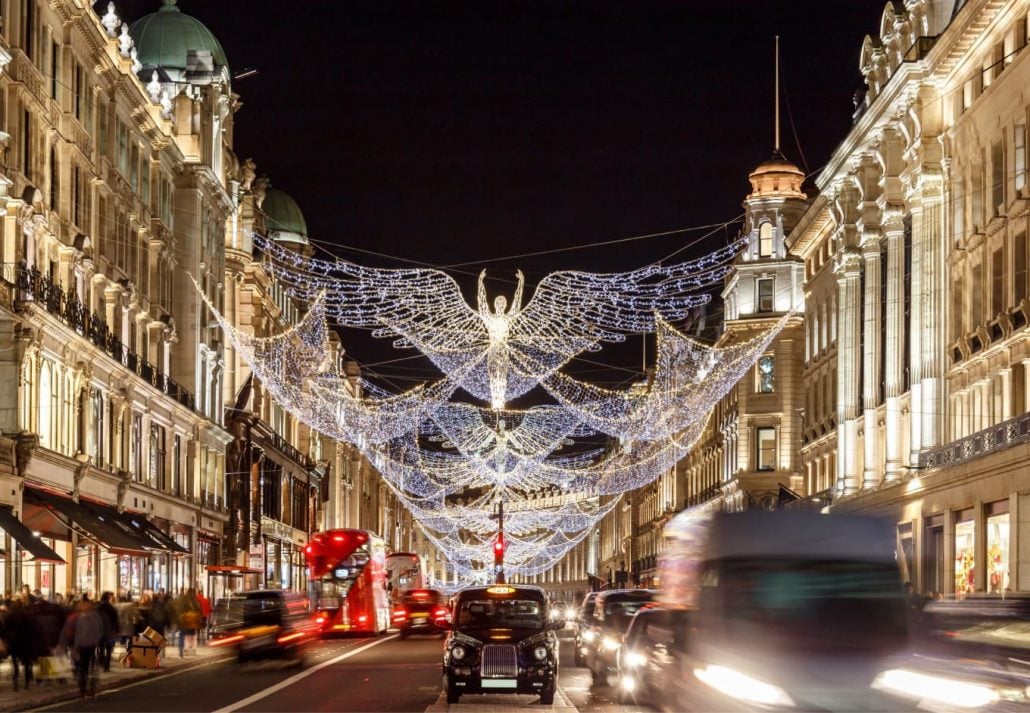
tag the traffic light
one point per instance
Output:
(499, 551)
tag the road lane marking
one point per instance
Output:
(261, 695)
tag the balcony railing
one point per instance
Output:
(36, 287)
(990, 440)
(704, 496)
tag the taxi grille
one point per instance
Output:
(500, 661)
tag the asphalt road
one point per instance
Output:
(368, 674)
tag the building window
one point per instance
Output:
(997, 282)
(765, 239)
(975, 301)
(765, 294)
(997, 178)
(765, 374)
(156, 474)
(765, 448)
(1019, 139)
(96, 441)
(136, 448)
(965, 553)
(1019, 266)
(997, 520)
(46, 407)
(177, 465)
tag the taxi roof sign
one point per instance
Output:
(501, 589)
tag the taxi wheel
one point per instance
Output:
(403, 634)
(547, 697)
(452, 695)
(578, 659)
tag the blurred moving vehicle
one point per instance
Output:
(347, 581)
(403, 572)
(264, 624)
(785, 610)
(613, 612)
(420, 611)
(584, 636)
(501, 641)
(562, 611)
(655, 636)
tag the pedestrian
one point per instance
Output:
(188, 616)
(24, 638)
(50, 620)
(205, 615)
(83, 632)
(109, 615)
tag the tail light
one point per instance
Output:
(286, 638)
(400, 613)
(362, 619)
(227, 640)
(320, 619)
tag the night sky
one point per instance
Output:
(448, 132)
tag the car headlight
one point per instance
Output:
(634, 659)
(742, 687)
(610, 643)
(588, 636)
(950, 691)
(459, 652)
(540, 653)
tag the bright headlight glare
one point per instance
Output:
(742, 687)
(588, 635)
(610, 644)
(540, 653)
(628, 683)
(937, 689)
(633, 659)
(458, 652)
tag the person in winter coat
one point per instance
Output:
(205, 615)
(111, 628)
(83, 632)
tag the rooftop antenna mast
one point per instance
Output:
(777, 94)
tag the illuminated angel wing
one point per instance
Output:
(423, 306)
(571, 312)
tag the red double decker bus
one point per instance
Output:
(347, 581)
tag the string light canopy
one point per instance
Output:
(558, 468)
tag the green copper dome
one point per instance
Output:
(283, 219)
(164, 37)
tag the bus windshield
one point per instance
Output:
(332, 587)
(501, 614)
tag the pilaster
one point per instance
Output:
(848, 269)
(894, 234)
(871, 377)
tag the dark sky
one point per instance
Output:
(449, 132)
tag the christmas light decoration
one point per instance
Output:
(558, 469)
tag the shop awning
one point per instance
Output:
(24, 537)
(149, 532)
(97, 522)
(230, 569)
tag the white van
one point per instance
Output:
(785, 610)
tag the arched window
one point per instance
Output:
(765, 239)
(46, 407)
(96, 433)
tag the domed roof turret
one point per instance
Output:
(164, 39)
(283, 220)
(776, 177)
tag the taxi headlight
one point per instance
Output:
(938, 689)
(588, 636)
(610, 643)
(459, 652)
(742, 687)
(540, 653)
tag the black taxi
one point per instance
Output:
(501, 640)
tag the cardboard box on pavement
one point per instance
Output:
(154, 637)
(144, 654)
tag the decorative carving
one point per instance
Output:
(137, 66)
(25, 446)
(154, 88)
(111, 21)
(125, 43)
(166, 105)
(248, 172)
(260, 187)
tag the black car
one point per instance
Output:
(264, 624)
(502, 640)
(584, 624)
(613, 612)
(420, 611)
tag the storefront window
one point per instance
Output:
(997, 547)
(130, 574)
(965, 554)
(85, 577)
(933, 555)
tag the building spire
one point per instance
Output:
(776, 91)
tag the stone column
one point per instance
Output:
(849, 311)
(928, 224)
(915, 334)
(1006, 393)
(871, 354)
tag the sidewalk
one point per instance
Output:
(53, 692)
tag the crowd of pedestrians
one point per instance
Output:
(53, 639)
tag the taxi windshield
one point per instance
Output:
(501, 614)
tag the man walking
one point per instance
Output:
(84, 631)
